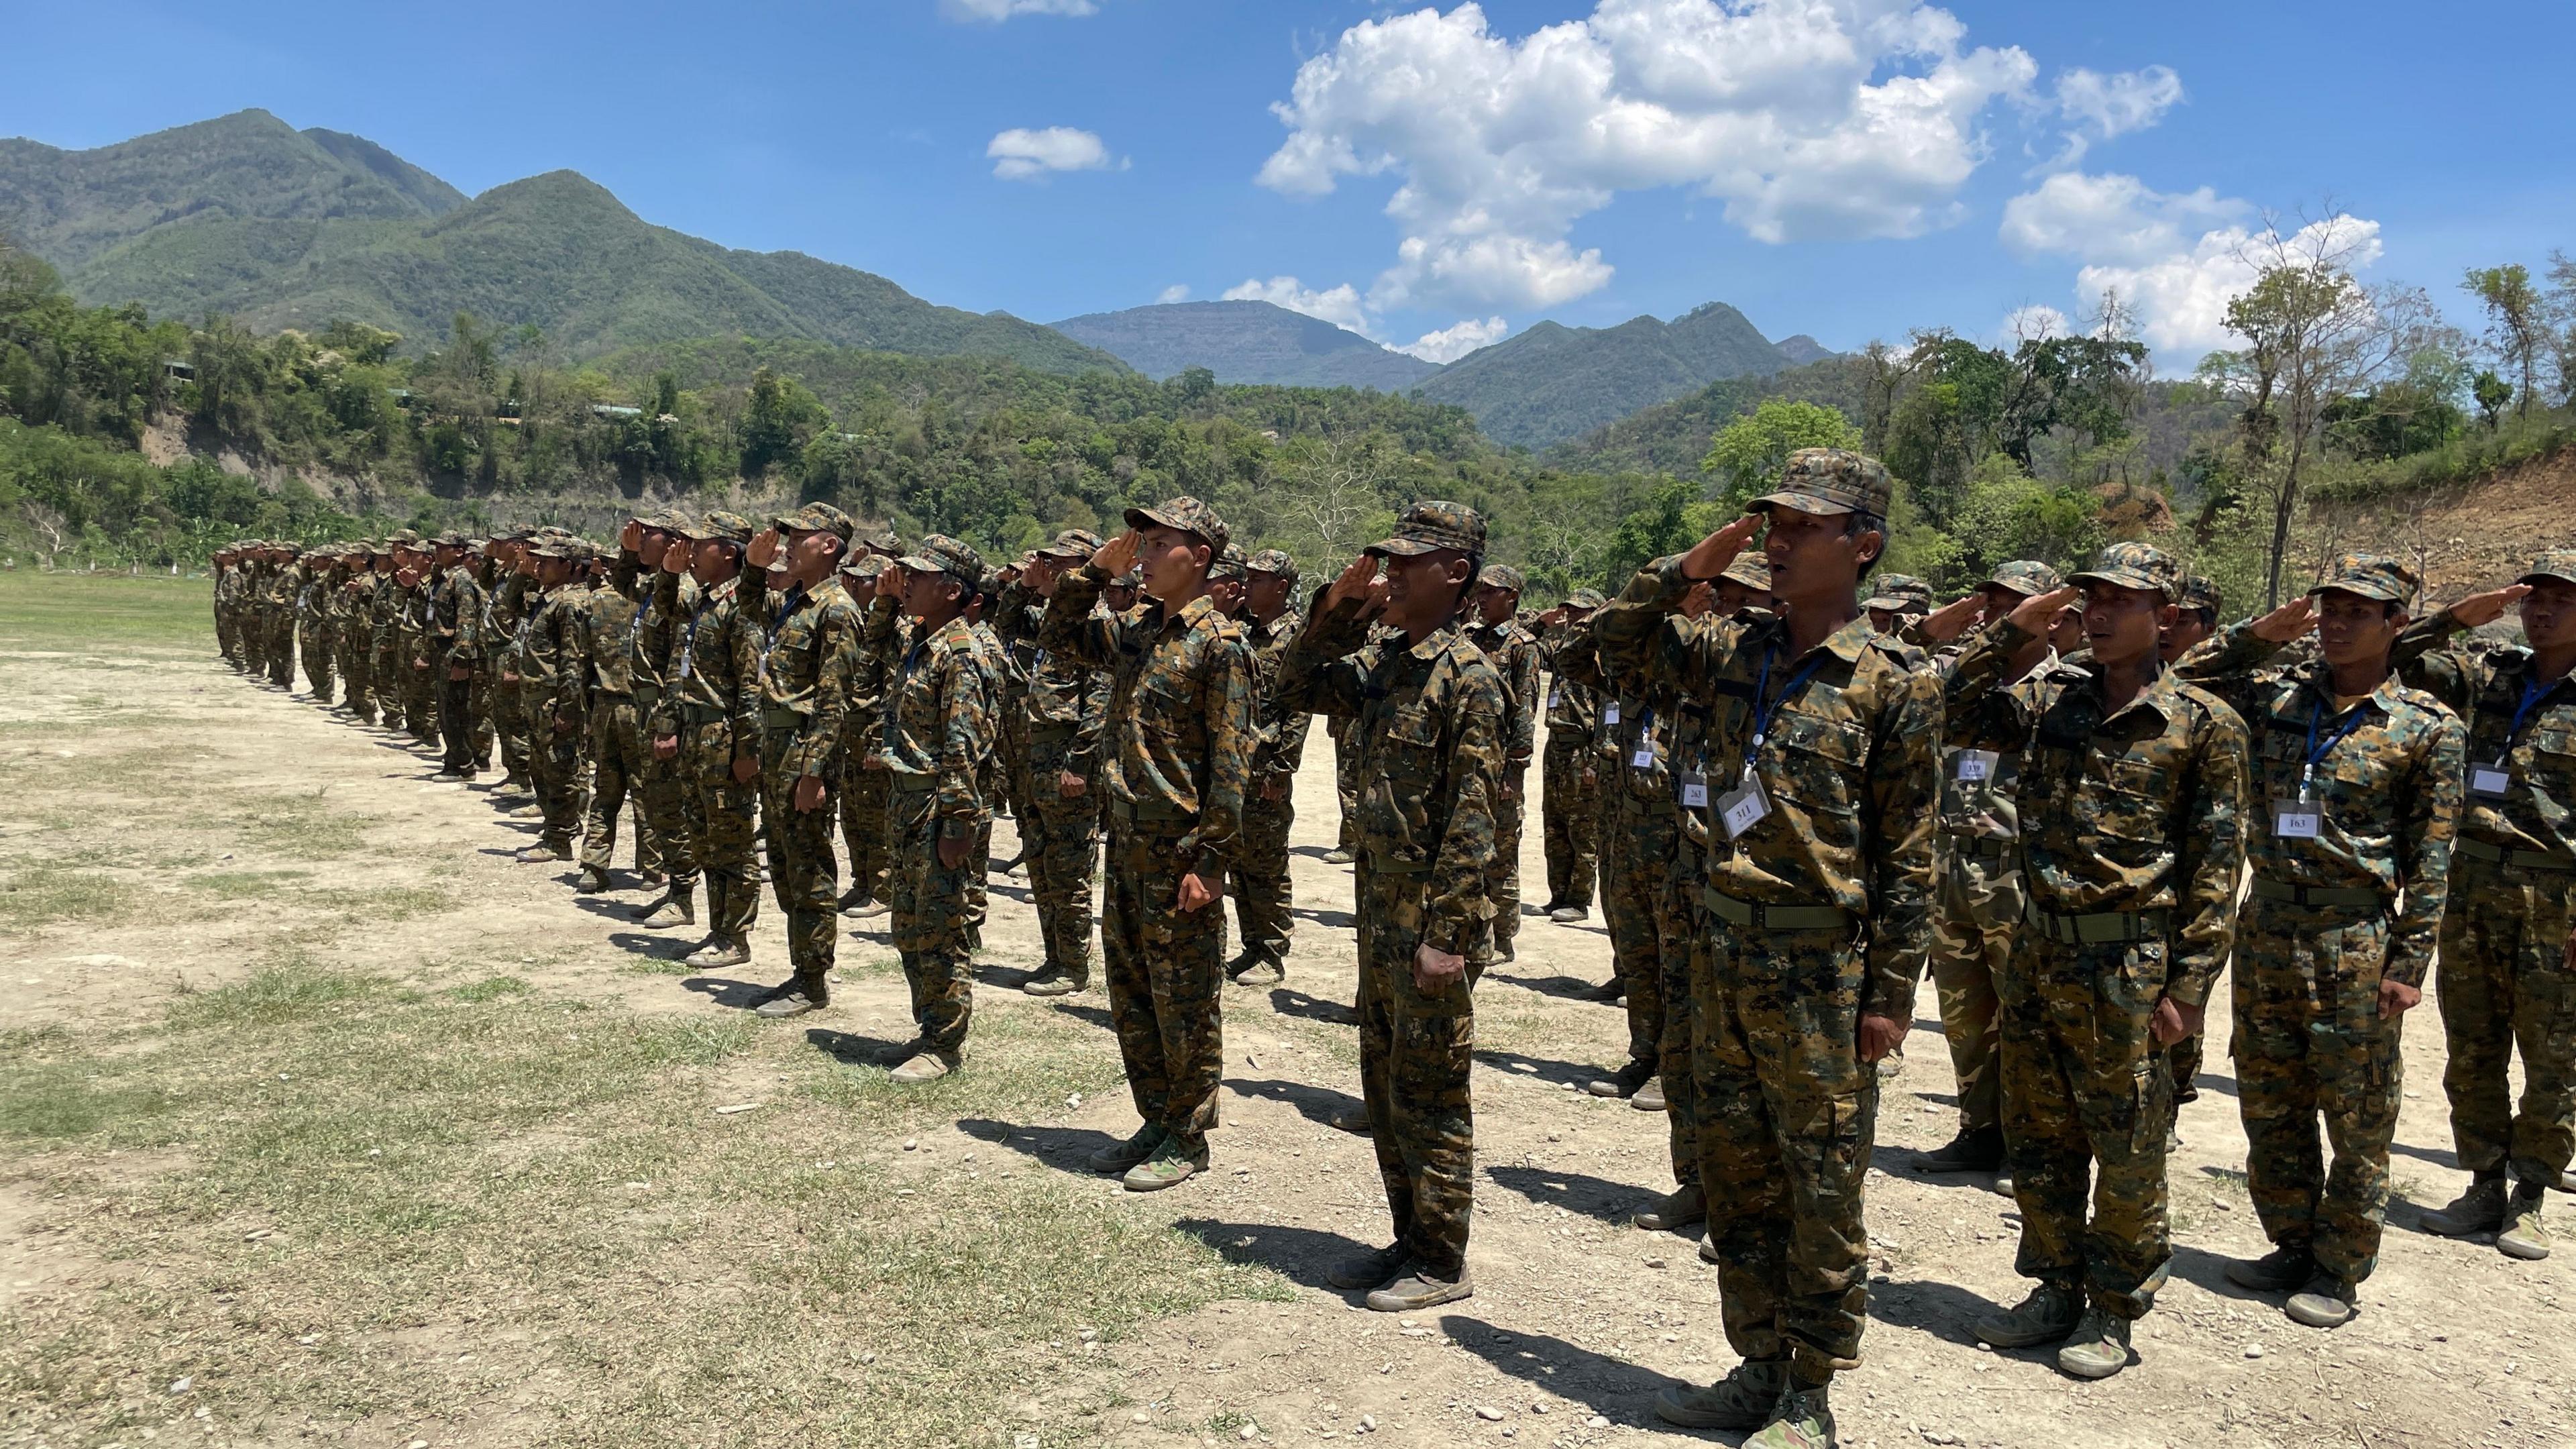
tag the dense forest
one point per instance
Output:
(128, 440)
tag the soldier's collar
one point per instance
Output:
(1196, 609)
(1436, 641)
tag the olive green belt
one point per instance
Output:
(2499, 855)
(2273, 890)
(1985, 847)
(698, 714)
(648, 695)
(1152, 814)
(779, 717)
(1755, 916)
(2102, 928)
(1047, 733)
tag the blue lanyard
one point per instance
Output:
(1762, 711)
(2317, 751)
(2533, 691)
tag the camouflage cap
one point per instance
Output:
(675, 523)
(940, 554)
(2135, 566)
(1274, 561)
(1586, 599)
(660, 520)
(1503, 576)
(1751, 569)
(1073, 543)
(1830, 480)
(2199, 591)
(403, 538)
(450, 538)
(1432, 525)
(2557, 563)
(1230, 564)
(2371, 575)
(815, 518)
(1184, 513)
(729, 527)
(2026, 577)
(1902, 593)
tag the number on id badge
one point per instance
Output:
(1643, 757)
(1977, 766)
(1694, 791)
(2489, 781)
(1741, 810)
(2294, 821)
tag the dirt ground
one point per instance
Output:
(1577, 1319)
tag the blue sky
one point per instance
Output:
(1845, 168)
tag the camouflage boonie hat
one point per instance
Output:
(940, 554)
(1503, 576)
(2199, 591)
(1830, 480)
(1274, 561)
(2557, 563)
(1430, 526)
(1230, 564)
(1902, 593)
(815, 518)
(2372, 576)
(2135, 566)
(1751, 569)
(1186, 514)
(1586, 599)
(2026, 577)
(1073, 543)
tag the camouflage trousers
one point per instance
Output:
(929, 917)
(1262, 896)
(419, 695)
(669, 809)
(2310, 1043)
(725, 814)
(250, 639)
(1642, 839)
(1503, 886)
(227, 637)
(2087, 1099)
(1346, 782)
(1062, 837)
(1976, 910)
(620, 760)
(2182, 1064)
(863, 822)
(1569, 822)
(1165, 967)
(509, 715)
(803, 873)
(1786, 1119)
(314, 641)
(385, 672)
(1416, 1050)
(281, 649)
(1683, 881)
(2505, 987)
(465, 745)
(357, 672)
(554, 770)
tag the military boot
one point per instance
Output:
(2327, 1302)
(2100, 1347)
(719, 952)
(1743, 1399)
(594, 881)
(2479, 1210)
(1418, 1287)
(1801, 1420)
(2050, 1313)
(1625, 1082)
(2523, 1235)
(1608, 993)
(2285, 1267)
(1338, 856)
(1050, 980)
(793, 998)
(1366, 1270)
(1568, 915)
(1120, 1156)
(530, 811)
(1650, 1097)
(851, 899)
(1977, 1150)
(1678, 1209)
(868, 910)
(1168, 1167)
(1353, 1119)
(1257, 971)
(543, 854)
(925, 1067)
(679, 908)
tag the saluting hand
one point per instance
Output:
(1953, 619)
(2033, 615)
(1709, 557)
(2287, 622)
(1118, 555)
(1354, 581)
(2488, 607)
(890, 580)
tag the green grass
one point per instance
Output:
(93, 613)
(46, 895)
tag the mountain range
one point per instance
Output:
(247, 215)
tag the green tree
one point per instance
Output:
(1745, 457)
(2515, 326)
(2492, 393)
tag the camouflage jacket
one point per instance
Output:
(1981, 751)
(513, 606)
(1430, 719)
(939, 726)
(1061, 695)
(716, 667)
(384, 619)
(2490, 686)
(2387, 794)
(1570, 709)
(279, 589)
(809, 658)
(653, 645)
(1180, 736)
(613, 615)
(1846, 763)
(456, 613)
(1283, 729)
(1633, 729)
(1515, 657)
(2138, 809)
(552, 669)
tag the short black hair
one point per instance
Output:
(1856, 523)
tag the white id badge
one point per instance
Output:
(2491, 781)
(2292, 820)
(1977, 766)
(1694, 790)
(1556, 699)
(1642, 758)
(1740, 810)
(1610, 712)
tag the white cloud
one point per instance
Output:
(1451, 343)
(2032, 322)
(2177, 259)
(2103, 106)
(1177, 292)
(1340, 305)
(994, 12)
(1020, 154)
(1808, 118)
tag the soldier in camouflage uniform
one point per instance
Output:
(1431, 715)
(1569, 777)
(2130, 797)
(2507, 972)
(2358, 782)
(551, 660)
(809, 663)
(1895, 601)
(358, 630)
(1262, 896)
(1176, 761)
(2195, 619)
(1815, 916)
(512, 599)
(277, 598)
(937, 742)
(455, 649)
(1515, 655)
(225, 581)
(708, 724)
(1979, 909)
(388, 666)
(313, 623)
(863, 774)
(1346, 766)
(619, 752)
(670, 596)
(414, 572)
(1068, 708)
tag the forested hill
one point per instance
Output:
(1553, 382)
(279, 228)
(1246, 342)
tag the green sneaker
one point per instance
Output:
(2047, 1315)
(1120, 1156)
(1743, 1399)
(1801, 1420)
(2523, 1236)
(2099, 1349)
(1168, 1167)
